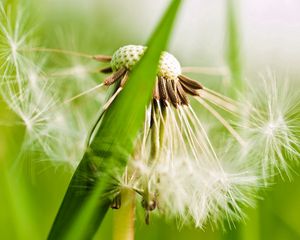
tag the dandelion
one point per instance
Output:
(175, 167)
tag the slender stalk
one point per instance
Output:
(123, 223)
(162, 127)
(158, 130)
(235, 66)
(234, 58)
(154, 133)
(59, 51)
(254, 224)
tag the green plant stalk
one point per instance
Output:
(157, 141)
(157, 133)
(234, 62)
(154, 142)
(124, 218)
(252, 230)
(233, 51)
(162, 127)
(86, 201)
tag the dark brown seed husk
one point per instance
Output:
(190, 82)
(172, 93)
(189, 90)
(182, 94)
(114, 77)
(162, 88)
(102, 58)
(156, 91)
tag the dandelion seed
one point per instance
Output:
(271, 125)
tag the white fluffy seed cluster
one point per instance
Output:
(129, 55)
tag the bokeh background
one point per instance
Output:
(268, 38)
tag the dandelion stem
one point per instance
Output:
(234, 58)
(84, 93)
(154, 133)
(162, 126)
(215, 71)
(220, 102)
(123, 227)
(157, 133)
(57, 50)
(112, 98)
(73, 71)
(223, 121)
(154, 143)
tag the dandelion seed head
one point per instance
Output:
(175, 165)
(168, 66)
(129, 55)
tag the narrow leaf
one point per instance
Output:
(85, 203)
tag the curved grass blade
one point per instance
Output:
(86, 202)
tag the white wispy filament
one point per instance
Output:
(271, 125)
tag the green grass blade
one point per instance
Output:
(234, 61)
(85, 204)
(233, 50)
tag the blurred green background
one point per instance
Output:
(267, 37)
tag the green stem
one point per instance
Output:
(234, 58)
(123, 226)
(157, 132)
(154, 142)
(252, 229)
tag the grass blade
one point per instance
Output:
(85, 205)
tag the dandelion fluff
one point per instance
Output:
(271, 125)
(37, 94)
(187, 179)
